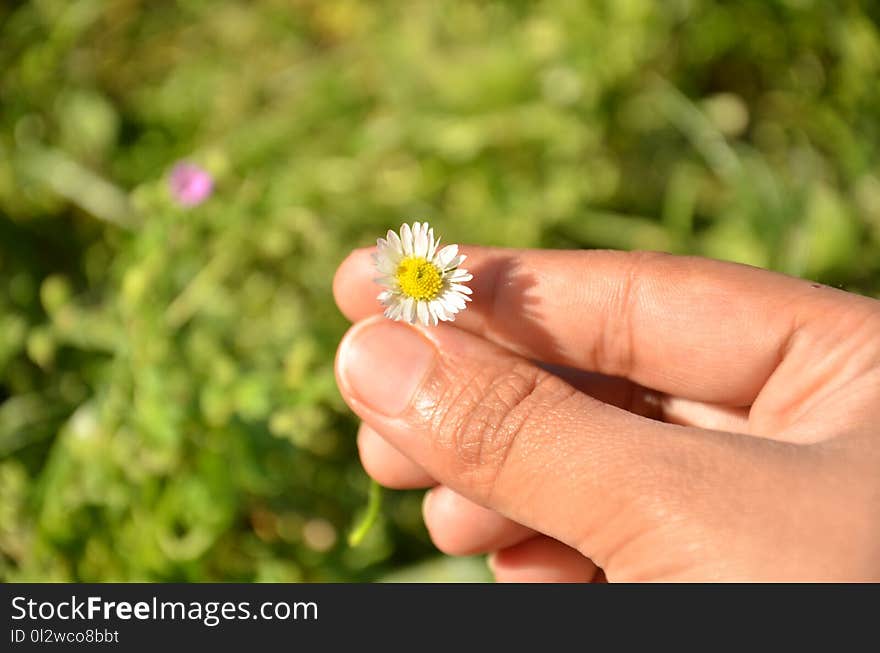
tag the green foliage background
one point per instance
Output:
(167, 401)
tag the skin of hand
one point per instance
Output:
(630, 416)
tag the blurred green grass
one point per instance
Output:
(168, 404)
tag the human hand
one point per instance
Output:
(689, 419)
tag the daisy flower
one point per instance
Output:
(422, 283)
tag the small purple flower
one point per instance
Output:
(190, 185)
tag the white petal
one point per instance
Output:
(395, 310)
(448, 305)
(394, 243)
(445, 255)
(420, 243)
(435, 242)
(437, 309)
(387, 268)
(394, 256)
(426, 239)
(450, 313)
(431, 241)
(422, 309)
(454, 263)
(384, 261)
(384, 296)
(457, 287)
(409, 310)
(406, 239)
(387, 252)
(455, 300)
(460, 275)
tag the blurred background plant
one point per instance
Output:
(167, 401)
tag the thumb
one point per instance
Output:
(512, 437)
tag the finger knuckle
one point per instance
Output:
(490, 413)
(615, 351)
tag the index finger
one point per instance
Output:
(697, 328)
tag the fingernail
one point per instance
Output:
(384, 363)
(427, 499)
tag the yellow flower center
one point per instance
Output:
(419, 278)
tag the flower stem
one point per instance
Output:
(371, 516)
